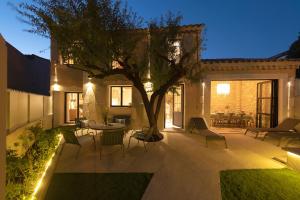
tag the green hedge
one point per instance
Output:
(22, 173)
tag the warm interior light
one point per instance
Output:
(223, 89)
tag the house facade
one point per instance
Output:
(265, 90)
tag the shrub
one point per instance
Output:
(22, 173)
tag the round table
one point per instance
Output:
(103, 127)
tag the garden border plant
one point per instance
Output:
(23, 173)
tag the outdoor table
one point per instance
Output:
(103, 127)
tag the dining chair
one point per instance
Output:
(70, 138)
(92, 132)
(112, 137)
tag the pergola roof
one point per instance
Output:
(242, 64)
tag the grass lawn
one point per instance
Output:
(102, 186)
(260, 184)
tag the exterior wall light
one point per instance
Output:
(56, 87)
(148, 87)
(289, 84)
(89, 85)
(202, 100)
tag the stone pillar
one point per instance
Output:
(3, 110)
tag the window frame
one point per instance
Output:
(121, 87)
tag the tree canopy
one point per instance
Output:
(294, 50)
(105, 37)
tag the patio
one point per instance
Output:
(183, 167)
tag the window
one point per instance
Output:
(176, 51)
(120, 96)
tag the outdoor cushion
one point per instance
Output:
(297, 128)
(285, 126)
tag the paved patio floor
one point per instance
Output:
(183, 167)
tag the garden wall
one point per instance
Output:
(3, 110)
(25, 110)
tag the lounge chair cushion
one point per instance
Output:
(286, 125)
(297, 128)
(211, 134)
(256, 130)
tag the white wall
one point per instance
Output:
(3, 106)
(36, 107)
(18, 109)
(26, 108)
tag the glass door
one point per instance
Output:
(174, 107)
(267, 104)
(178, 107)
(73, 106)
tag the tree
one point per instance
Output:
(105, 38)
(294, 50)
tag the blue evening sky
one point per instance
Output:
(234, 28)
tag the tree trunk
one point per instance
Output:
(153, 132)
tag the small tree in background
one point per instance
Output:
(294, 50)
(105, 38)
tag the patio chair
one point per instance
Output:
(91, 131)
(112, 137)
(285, 126)
(70, 138)
(140, 135)
(199, 124)
(291, 135)
(80, 124)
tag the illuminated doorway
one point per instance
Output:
(174, 107)
(73, 106)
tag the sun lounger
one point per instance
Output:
(200, 126)
(286, 126)
(291, 135)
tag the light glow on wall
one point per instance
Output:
(203, 92)
(289, 98)
(223, 89)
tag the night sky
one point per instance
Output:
(234, 28)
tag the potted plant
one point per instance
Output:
(105, 115)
